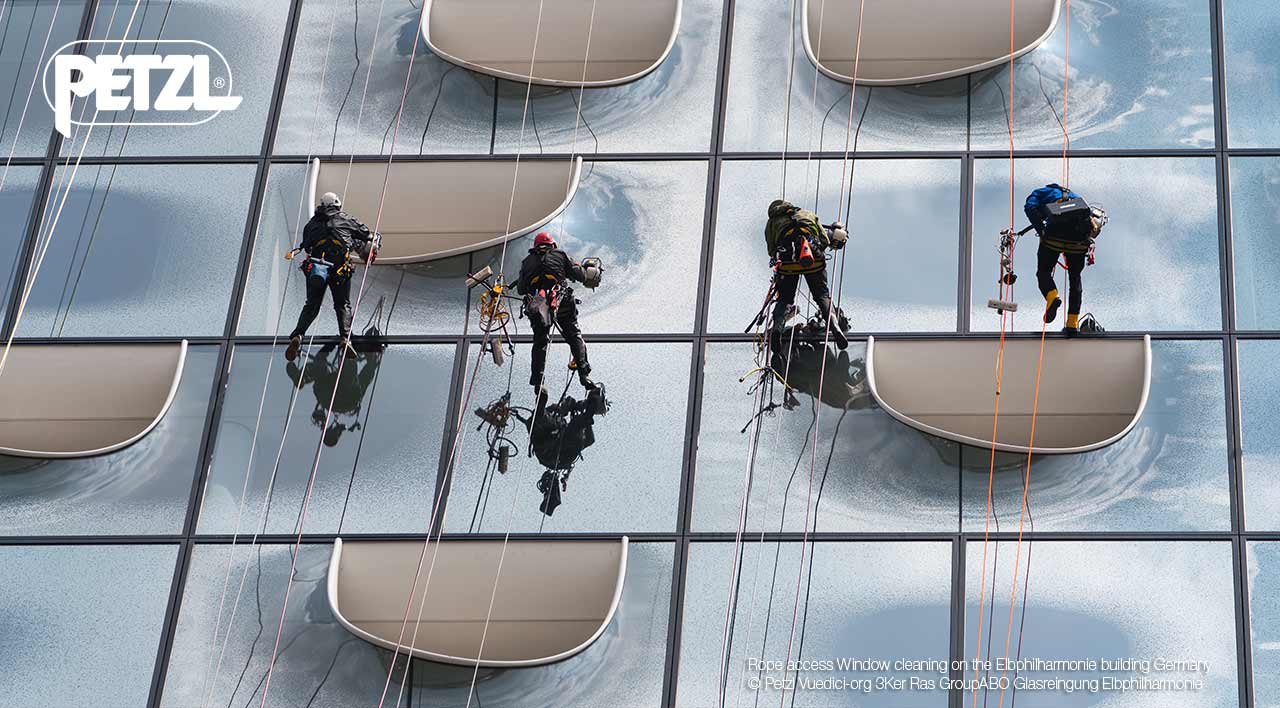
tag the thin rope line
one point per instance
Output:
(17, 133)
(355, 140)
(524, 116)
(786, 115)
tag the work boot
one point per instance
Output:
(345, 342)
(535, 380)
(583, 370)
(295, 344)
(1071, 332)
(1073, 326)
(1053, 302)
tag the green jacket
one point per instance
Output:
(779, 219)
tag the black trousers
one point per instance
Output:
(340, 288)
(566, 317)
(788, 283)
(1046, 259)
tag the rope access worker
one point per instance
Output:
(346, 393)
(328, 240)
(797, 242)
(544, 282)
(1067, 227)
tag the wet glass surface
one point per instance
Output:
(1255, 216)
(628, 477)
(137, 253)
(248, 34)
(1157, 266)
(1264, 619)
(899, 270)
(877, 601)
(52, 594)
(417, 298)
(869, 472)
(1170, 473)
(668, 110)
(16, 197)
(1141, 77)
(378, 455)
(142, 489)
(1260, 461)
(1253, 94)
(1110, 600)
(29, 35)
(924, 117)
(447, 110)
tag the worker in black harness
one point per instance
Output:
(544, 282)
(328, 240)
(1067, 227)
(797, 244)
(558, 433)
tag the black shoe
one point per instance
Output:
(295, 344)
(1071, 332)
(842, 342)
(535, 380)
(587, 383)
(1051, 312)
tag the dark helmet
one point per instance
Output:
(781, 207)
(544, 238)
(333, 434)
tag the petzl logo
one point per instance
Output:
(187, 83)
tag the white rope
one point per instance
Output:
(30, 91)
(786, 116)
(355, 142)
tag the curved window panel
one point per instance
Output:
(1157, 265)
(144, 488)
(380, 449)
(627, 478)
(1170, 473)
(870, 472)
(138, 253)
(1141, 77)
(16, 198)
(1264, 620)
(930, 116)
(644, 221)
(671, 109)
(53, 594)
(447, 110)
(623, 668)
(1255, 216)
(901, 261)
(23, 53)
(1259, 397)
(1253, 94)
(1096, 600)
(416, 298)
(249, 34)
(869, 601)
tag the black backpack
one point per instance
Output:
(1069, 220)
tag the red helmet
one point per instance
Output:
(544, 238)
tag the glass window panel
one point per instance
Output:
(929, 116)
(1170, 473)
(447, 110)
(668, 110)
(901, 262)
(381, 448)
(624, 668)
(1107, 600)
(419, 298)
(1157, 263)
(1141, 77)
(1253, 94)
(1255, 216)
(53, 594)
(248, 33)
(227, 625)
(627, 480)
(1259, 398)
(870, 473)
(24, 50)
(144, 488)
(138, 253)
(644, 220)
(1264, 620)
(878, 601)
(15, 198)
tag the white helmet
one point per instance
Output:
(329, 200)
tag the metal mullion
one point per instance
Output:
(955, 696)
(964, 287)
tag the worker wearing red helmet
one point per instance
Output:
(545, 277)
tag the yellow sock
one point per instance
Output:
(1053, 295)
(1073, 321)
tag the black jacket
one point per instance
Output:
(331, 234)
(543, 270)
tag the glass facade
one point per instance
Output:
(157, 575)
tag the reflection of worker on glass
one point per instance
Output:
(817, 370)
(558, 433)
(347, 394)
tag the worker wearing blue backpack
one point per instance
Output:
(1067, 227)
